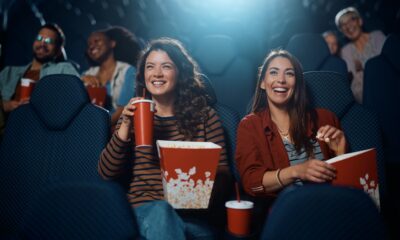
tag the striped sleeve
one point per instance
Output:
(215, 133)
(115, 158)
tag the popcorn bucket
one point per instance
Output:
(188, 172)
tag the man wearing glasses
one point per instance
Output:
(48, 58)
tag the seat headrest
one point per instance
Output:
(311, 50)
(215, 53)
(57, 99)
(329, 90)
(391, 50)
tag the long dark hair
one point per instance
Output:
(298, 107)
(190, 106)
(127, 46)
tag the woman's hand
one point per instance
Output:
(333, 137)
(314, 170)
(91, 80)
(127, 116)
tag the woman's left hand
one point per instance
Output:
(334, 137)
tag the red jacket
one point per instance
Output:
(260, 148)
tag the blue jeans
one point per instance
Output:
(158, 220)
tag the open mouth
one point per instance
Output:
(94, 51)
(158, 83)
(280, 90)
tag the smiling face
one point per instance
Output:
(99, 47)
(44, 46)
(350, 25)
(279, 82)
(160, 74)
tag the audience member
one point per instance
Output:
(113, 54)
(171, 79)
(48, 58)
(280, 145)
(332, 42)
(362, 46)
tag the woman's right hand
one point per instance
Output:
(91, 81)
(314, 170)
(127, 116)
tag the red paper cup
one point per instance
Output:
(239, 217)
(97, 95)
(27, 86)
(143, 122)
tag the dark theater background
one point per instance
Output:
(228, 38)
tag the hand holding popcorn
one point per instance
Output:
(334, 137)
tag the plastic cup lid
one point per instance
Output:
(239, 205)
(142, 100)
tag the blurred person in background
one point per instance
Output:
(112, 54)
(362, 46)
(48, 58)
(332, 42)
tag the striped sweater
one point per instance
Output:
(145, 182)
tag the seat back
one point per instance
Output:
(230, 120)
(80, 210)
(58, 135)
(313, 53)
(324, 212)
(219, 58)
(381, 93)
(331, 90)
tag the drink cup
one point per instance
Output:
(27, 86)
(143, 122)
(97, 95)
(239, 217)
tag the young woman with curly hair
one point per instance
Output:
(172, 80)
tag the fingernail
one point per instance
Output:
(327, 140)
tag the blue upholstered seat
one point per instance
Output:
(381, 95)
(58, 135)
(324, 212)
(313, 53)
(230, 120)
(331, 90)
(80, 210)
(233, 77)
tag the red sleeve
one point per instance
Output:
(249, 157)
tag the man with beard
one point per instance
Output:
(48, 58)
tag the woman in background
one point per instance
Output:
(362, 46)
(112, 54)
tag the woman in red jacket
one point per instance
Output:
(282, 142)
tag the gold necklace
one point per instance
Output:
(284, 134)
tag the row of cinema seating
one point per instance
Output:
(234, 77)
(381, 95)
(49, 154)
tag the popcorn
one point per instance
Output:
(188, 171)
(184, 192)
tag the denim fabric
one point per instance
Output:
(158, 220)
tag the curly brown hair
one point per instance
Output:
(190, 106)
